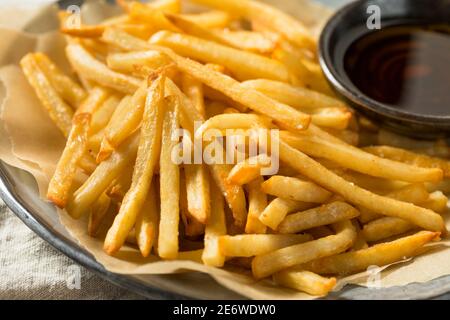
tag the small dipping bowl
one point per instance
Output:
(348, 26)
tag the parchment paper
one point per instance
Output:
(30, 141)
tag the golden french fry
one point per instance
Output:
(83, 31)
(424, 218)
(316, 217)
(215, 227)
(297, 97)
(146, 14)
(126, 62)
(120, 185)
(358, 160)
(209, 19)
(166, 6)
(93, 101)
(267, 264)
(378, 255)
(103, 114)
(146, 160)
(95, 70)
(386, 227)
(147, 222)
(411, 158)
(192, 227)
(414, 193)
(295, 189)
(169, 185)
(98, 213)
(250, 245)
(437, 201)
(193, 89)
(57, 109)
(305, 281)
(247, 40)
(271, 17)
(102, 177)
(278, 209)
(62, 180)
(69, 90)
(244, 65)
(198, 189)
(257, 202)
(122, 40)
(250, 169)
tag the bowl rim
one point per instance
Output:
(349, 91)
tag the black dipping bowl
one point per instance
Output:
(347, 25)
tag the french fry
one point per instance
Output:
(68, 89)
(169, 185)
(98, 212)
(295, 189)
(193, 89)
(93, 101)
(278, 209)
(146, 160)
(424, 218)
(166, 6)
(124, 41)
(250, 245)
(247, 40)
(386, 227)
(198, 189)
(126, 62)
(120, 185)
(232, 121)
(145, 14)
(305, 281)
(414, 193)
(60, 113)
(378, 255)
(316, 217)
(322, 232)
(257, 202)
(411, 158)
(244, 65)
(250, 169)
(102, 177)
(297, 97)
(215, 227)
(192, 227)
(95, 70)
(360, 242)
(437, 201)
(83, 31)
(267, 264)
(103, 114)
(147, 222)
(209, 19)
(274, 19)
(62, 180)
(355, 159)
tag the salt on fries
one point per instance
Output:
(154, 69)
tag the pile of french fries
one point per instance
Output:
(348, 195)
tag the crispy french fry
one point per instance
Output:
(386, 227)
(278, 209)
(273, 18)
(411, 158)
(209, 19)
(295, 189)
(122, 40)
(244, 65)
(69, 90)
(103, 114)
(437, 201)
(414, 193)
(147, 222)
(192, 227)
(215, 227)
(297, 97)
(257, 202)
(62, 180)
(305, 281)
(378, 255)
(93, 101)
(316, 217)
(57, 109)
(355, 159)
(102, 177)
(98, 212)
(250, 169)
(145, 14)
(198, 189)
(267, 264)
(193, 89)
(248, 40)
(258, 244)
(424, 218)
(169, 185)
(229, 121)
(126, 62)
(95, 70)
(146, 160)
(83, 31)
